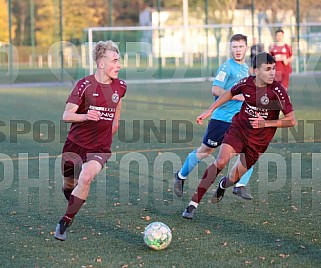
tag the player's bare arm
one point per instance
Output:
(221, 100)
(287, 121)
(218, 91)
(117, 117)
(70, 115)
(288, 60)
(238, 97)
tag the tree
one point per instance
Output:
(4, 34)
(221, 12)
(21, 14)
(46, 22)
(79, 14)
(87, 14)
(274, 6)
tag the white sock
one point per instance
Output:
(181, 176)
(193, 204)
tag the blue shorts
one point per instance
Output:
(215, 133)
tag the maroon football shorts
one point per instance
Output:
(73, 156)
(242, 143)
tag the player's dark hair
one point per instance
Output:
(238, 37)
(262, 58)
(279, 31)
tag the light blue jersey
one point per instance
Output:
(228, 74)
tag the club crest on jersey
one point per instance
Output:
(265, 100)
(115, 97)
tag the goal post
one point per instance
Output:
(162, 47)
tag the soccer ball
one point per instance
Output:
(157, 236)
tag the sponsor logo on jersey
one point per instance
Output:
(98, 108)
(106, 113)
(107, 116)
(253, 111)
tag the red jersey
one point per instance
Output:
(280, 53)
(89, 94)
(266, 101)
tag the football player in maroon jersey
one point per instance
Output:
(282, 54)
(252, 129)
(93, 109)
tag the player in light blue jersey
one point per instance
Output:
(228, 74)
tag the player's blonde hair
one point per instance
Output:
(101, 48)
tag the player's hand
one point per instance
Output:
(257, 122)
(203, 116)
(286, 61)
(93, 115)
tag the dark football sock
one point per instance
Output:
(74, 206)
(67, 193)
(207, 180)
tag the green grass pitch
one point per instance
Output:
(279, 228)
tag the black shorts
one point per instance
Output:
(74, 156)
(215, 133)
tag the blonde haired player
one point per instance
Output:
(93, 107)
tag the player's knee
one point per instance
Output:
(220, 163)
(85, 178)
(204, 152)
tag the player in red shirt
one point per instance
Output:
(252, 129)
(282, 54)
(93, 107)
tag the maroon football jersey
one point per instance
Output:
(267, 102)
(89, 94)
(280, 53)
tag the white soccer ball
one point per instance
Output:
(157, 236)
